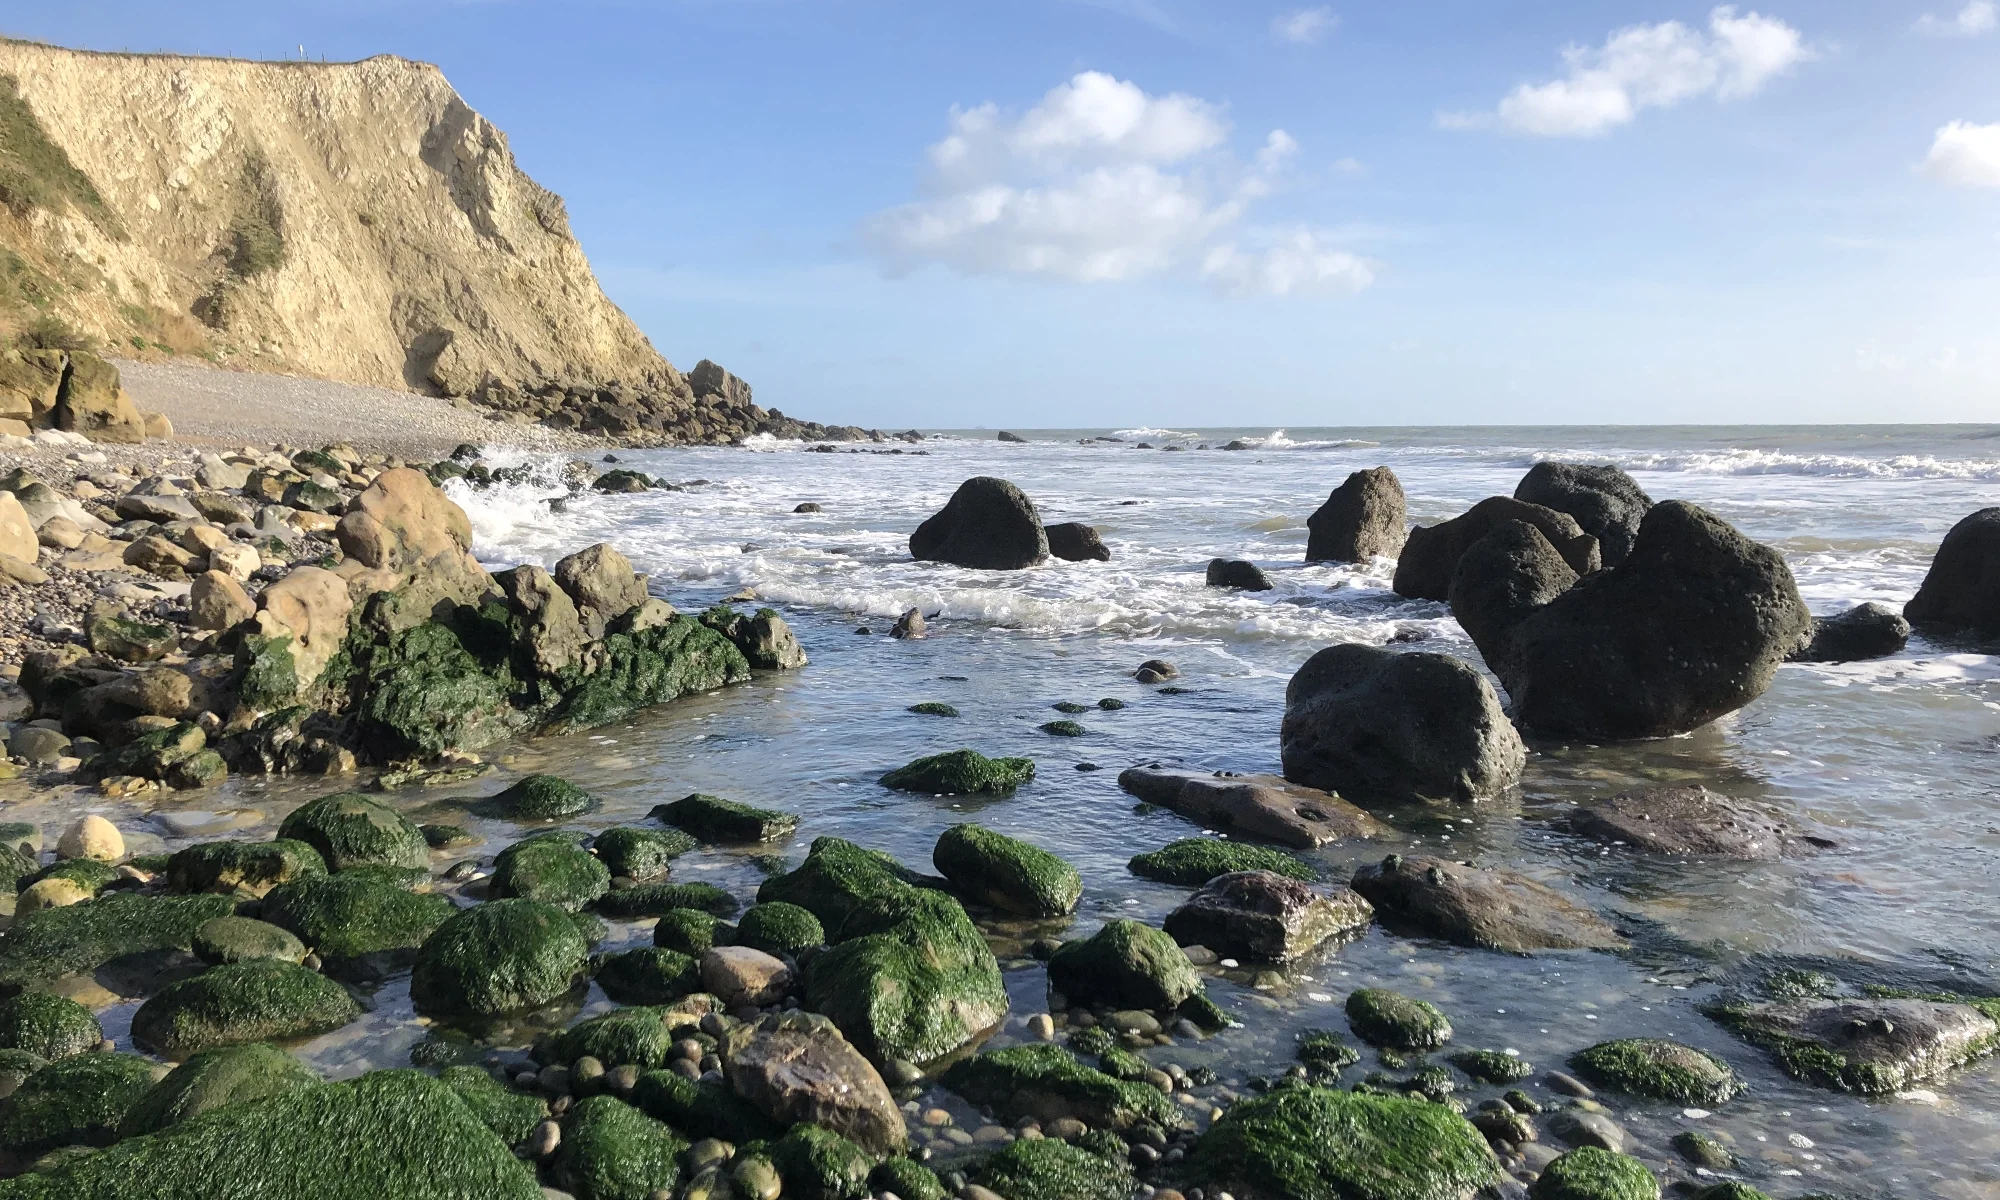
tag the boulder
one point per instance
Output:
(540, 798)
(401, 521)
(1430, 557)
(1125, 964)
(602, 583)
(92, 837)
(1191, 862)
(1262, 916)
(213, 1078)
(1691, 822)
(1307, 1141)
(350, 829)
(1874, 1046)
(713, 819)
(648, 975)
(744, 975)
(639, 854)
(769, 643)
(1073, 541)
(1236, 573)
(260, 1000)
(961, 773)
(245, 939)
(79, 1101)
(500, 957)
(1961, 591)
(80, 938)
(1006, 873)
(1490, 908)
(911, 625)
(17, 532)
(30, 384)
(159, 556)
(216, 601)
(308, 609)
(1503, 578)
(612, 1151)
(1363, 518)
(550, 867)
(1047, 1083)
(1371, 722)
(785, 930)
(249, 868)
(1606, 503)
(1862, 632)
(1258, 806)
(550, 630)
(93, 404)
(987, 525)
(48, 1027)
(1658, 1069)
(797, 1067)
(1390, 1019)
(710, 379)
(1047, 1168)
(1594, 1173)
(111, 631)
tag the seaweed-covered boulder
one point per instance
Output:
(1262, 916)
(690, 931)
(1363, 518)
(1385, 1018)
(1490, 908)
(499, 957)
(1430, 556)
(510, 1114)
(258, 1001)
(1372, 722)
(541, 798)
(988, 524)
(1237, 573)
(551, 867)
(213, 1078)
(1605, 502)
(351, 915)
(79, 1101)
(702, 1109)
(1961, 591)
(49, 1027)
(250, 868)
(836, 877)
(657, 899)
(819, 1164)
(1191, 862)
(1593, 1173)
(1006, 873)
(1691, 821)
(1874, 1045)
(1048, 1169)
(51, 942)
(961, 773)
(1658, 1069)
(1073, 541)
(910, 977)
(389, 1133)
(713, 819)
(612, 1151)
(637, 1037)
(1313, 1143)
(1862, 632)
(1258, 806)
(1125, 964)
(907, 1179)
(352, 830)
(779, 928)
(648, 975)
(797, 1067)
(1047, 1082)
(633, 853)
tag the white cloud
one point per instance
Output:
(1305, 26)
(1646, 66)
(1350, 167)
(1099, 182)
(1965, 155)
(1290, 262)
(1976, 18)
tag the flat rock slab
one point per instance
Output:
(1872, 1046)
(1486, 907)
(1265, 917)
(1692, 822)
(1259, 806)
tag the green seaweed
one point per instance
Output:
(1658, 1069)
(551, 867)
(779, 928)
(499, 957)
(1191, 862)
(49, 1027)
(648, 976)
(1006, 873)
(352, 914)
(1125, 964)
(612, 1151)
(1047, 1169)
(1591, 1173)
(510, 1114)
(1385, 1018)
(51, 942)
(257, 1001)
(76, 1102)
(819, 1164)
(640, 854)
(350, 829)
(961, 773)
(713, 819)
(1311, 1143)
(657, 899)
(1047, 1083)
(213, 1078)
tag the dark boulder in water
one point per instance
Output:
(1369, 722)
(1961, 592)
(1490, 908)
(1862, 632)
(988, 525)
(1502, 578)
(1073, 541)
(1690, 822)
(1361, 519)
(1430, 556)
(1607, 503)
(1004, 436)
(1264, 917)
(1238, 574)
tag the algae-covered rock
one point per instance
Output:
(933, 708)
(387, 1134)
(1492, 1066)
(542, 798)
(82, 937)
(258, 1001)
(713, 819)
(15, 1067)
(76, 1102)
(1192, 862)
(49, 1027)
(1385, 1018)
(819, 1164)
(961, 773)
(648, 976)
(351, 830)
(700, 1109)
(1125, 964)
(551, 867)
(88, 874)
(510, 1114)
(1048, 1169)
(907, 1179)
(1324, 1052)
(645, 667)
(657, 899)
(499, 957)
(778, 928)
(640, 854)
(1311, 1143)
(910, 978)
(836, 876)
(637, 1037)
(242, 939)
(15, 864)
(1007, 873)
(353, 914)
(1884, 1043)
(1658, 1069)
(213, 1078)
(612, 1151)
(690, 931)
(1048, 1083)
(253, 868)
(1589, 1173)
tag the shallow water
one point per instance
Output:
(1897, 758)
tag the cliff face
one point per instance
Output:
(352, 221)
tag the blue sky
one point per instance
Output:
(1122, 212)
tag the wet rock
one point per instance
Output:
(1125, 964)
(1363, 518)
(1692, 822)
(911, 626)
(242, 939)
(1430, 556)
(1658, 1069)
(648, 975)
(1704, 1151)
(1365, 721)
(988, 525)
(1872, 1046)
(82, 937)
(797, 1067)
(250, 868)
(640, 854)
(1586, 1128)
(1491, 908)
(1492, 1066)
(214, 1078)
(1192, 862)
(1073, 541)
(1961, 591)
(610, 1149)
(1046, 1167)
(48, 1027)
(500, 957)
(1156, 670)
(713, 819)
(1262, 916)
(1385, 1018)
(550, 867)
(1290, 1142)
(1238, 574)
(1606, 503)
(743, 975)
(1590, 1173)
(350, 829)
(260, 1000)
(542, 798)
(1006, 873)
(1259, 806)
(819, 1164)
(1862, 632)
(961, 773)
(352, 915)
(602, 583)
(808, 506)
(1047, 1083)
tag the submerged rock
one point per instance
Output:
(961, 773)
(1259, 806)
(1606, 503)
(797, 1067)
(1047, 1083)
(1691, 821)
(1862, 632)
(1073, 541)
(1658, 1069)
(1310, 1141)
(1262, 916)
(1363, 518)
(257, 1001)
(1007, 873)
(541, 798)
(1961, 591)
(988, 525)
(1431, 555)
(1490, 908)
(1869, 1045)
(1385, 1018)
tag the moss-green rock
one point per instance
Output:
(1120, 1063)
(1324, 1052)
(690, 931)
(591, 926)
(1047, 1169)
(76, 1102)
(541, 798)
(658, 899)
(1384, 1018)
(499, 957)
(551, 867)
(49, 1027)
(819, 1164)
(436, 686)
(1658, 1069)
(509, 1114)
(961, 773)
(15, 1067)
(640, 854)
(713, 819)
(612, 1151)
(836, 876)
(1063, 729)
(15, 865)
(648, 976)
(637, 1037)
(387, 1134)
(1007, 873)
(51, 942)
(250, 867)
(87, 874)
(1192, 862)
(22, 837)
(1588, 1173)
(350, 915)
(213, 1078)
(1704, 1151)
(933, 708)
(1047, 1083)
(910, 978)
(177, 755)
(648, 667)
(1311, 1143)
(701, 1110)
(778, 928)
(242, 939)
(351, 830)
(1492, 1066)
(1125, 964)
(259, 1001)
(907, 1179)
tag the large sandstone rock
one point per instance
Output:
(17, 532)
(1262, 916)
(1430, 556)
(551, 630)
(1607, 503)
(710, 379)
(1363, 518)
(988, 525)
(1961, 591)
(93, 404)
(1490, 908)
(1371, 722)
(310, 606)
(401, 521)
(1258, 806)
(796, 1067)
(30, 382)
(602, 583)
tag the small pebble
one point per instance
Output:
(1042, 1027)
(543, 1141)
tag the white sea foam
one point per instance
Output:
(1156, 434)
